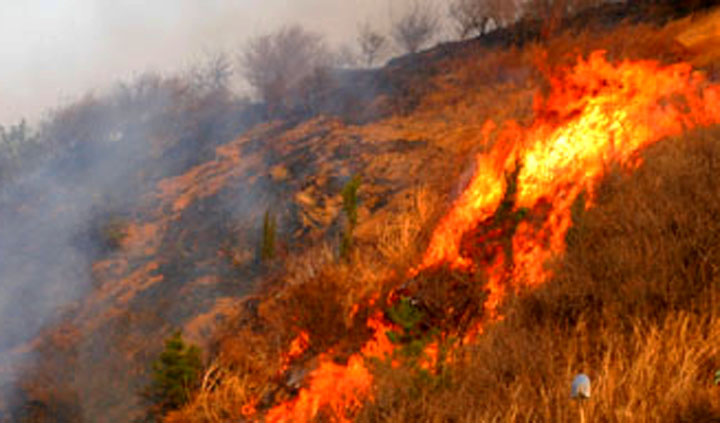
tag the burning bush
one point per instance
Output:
(534, 179)
(632, 303)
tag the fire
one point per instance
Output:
(297, 348)
(340, 389)
(596, 114)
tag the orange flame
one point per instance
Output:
(340, 389)
(298, 346)
(597, 114)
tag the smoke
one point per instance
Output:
(100, 153)
(98, 157)
(56, 50)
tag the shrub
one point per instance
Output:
(350, 205)
(409, 318)
(416, 28)
(277, 65)
(114, 232)
(476, 17)
(269, 230)
(175, 374)
(371, 42)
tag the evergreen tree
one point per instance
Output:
(176, 373)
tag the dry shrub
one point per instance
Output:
(238, 376)
(656, 373)
(633, 304)
(626, 41)
(400, 238)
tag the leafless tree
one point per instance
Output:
(416, 28)
(476, 17)
(371, 42)
(212, 73)
(276, 64)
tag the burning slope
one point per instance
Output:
(597, 114)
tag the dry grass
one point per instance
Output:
(317, 294)
(633, 304)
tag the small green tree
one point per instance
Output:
(114, 232)
(176, 373)
(269, 231)
(412, 338)
(350, 206)
(408, 318)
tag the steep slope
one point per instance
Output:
(509, 224)
(188, 254)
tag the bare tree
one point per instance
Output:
(470, 17)
(416, 28)
(476, 17)
(212, 73)
(276, 64)
(371, 42)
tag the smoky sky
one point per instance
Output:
(54, 51)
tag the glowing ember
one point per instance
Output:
(597, 114)
(298, 346)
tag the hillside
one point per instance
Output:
(527, 211)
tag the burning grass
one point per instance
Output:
(633, 303)
(561, 194)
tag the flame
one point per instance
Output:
(597, 114)
(340, 389)
(297, 347)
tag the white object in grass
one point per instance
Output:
(580, 387)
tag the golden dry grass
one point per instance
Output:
(633, 304)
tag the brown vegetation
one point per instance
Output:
(416, 27)
(633, 304)
(604, 313)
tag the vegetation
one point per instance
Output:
(372, 43)
(269, 232)
(613, 310)
(414, 335)
(632, 302)
(175, 375)
(350, 207)
(477, 17)
(114, 232)
(416, 27)
(284, 66)
(623, 314)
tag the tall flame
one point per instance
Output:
(596, 114)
